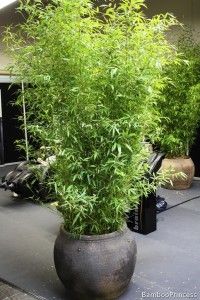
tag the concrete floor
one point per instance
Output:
(168, 259)
(7, 291)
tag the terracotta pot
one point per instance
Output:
(184, 165)
(95, 267)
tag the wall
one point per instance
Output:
(186, 11)
(8, 16)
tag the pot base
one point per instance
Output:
(95, 267)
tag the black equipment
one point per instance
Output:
(143, 218)
(24, 182)
(161, 204)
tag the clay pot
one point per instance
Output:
(184, 165)
(95, 267)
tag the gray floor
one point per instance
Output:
(168, 259)
(174, 198)
(8, 291)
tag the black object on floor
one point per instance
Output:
(24, 182)
(18, 180)
(161, 204)
(143, 218)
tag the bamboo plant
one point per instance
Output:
(94, 75)
(179, 106)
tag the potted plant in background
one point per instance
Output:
(94, 74)
(179, 110)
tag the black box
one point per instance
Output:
(143, 218)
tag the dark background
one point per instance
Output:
(10, 125)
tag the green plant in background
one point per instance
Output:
(94, 74)
(179, 107)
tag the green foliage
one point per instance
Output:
(179, 107)
(93, 84)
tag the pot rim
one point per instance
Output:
(89, 238)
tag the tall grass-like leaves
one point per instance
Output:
(95, 74)
(179, 107)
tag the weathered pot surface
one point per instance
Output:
(95, 267)
(179, 164)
